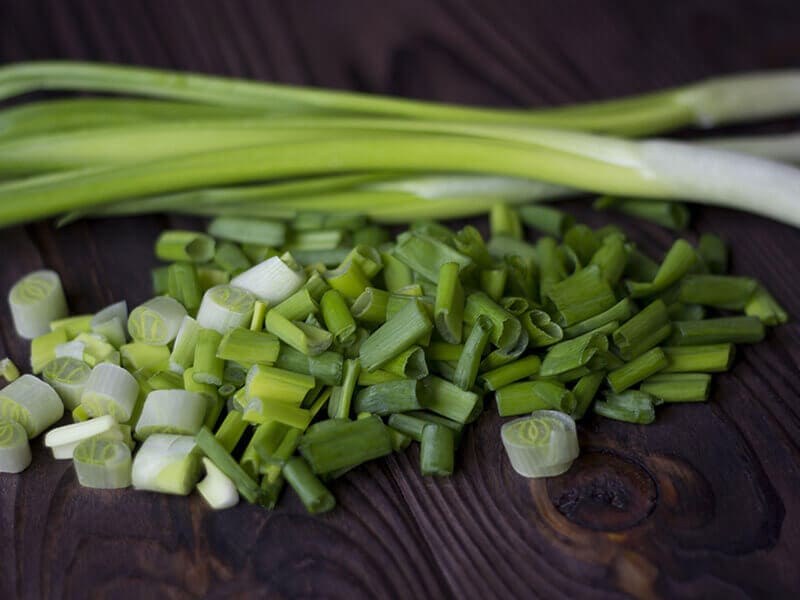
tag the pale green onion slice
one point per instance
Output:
(271, 281)
(73, 434)
(102, 464)
(68, 377)
(136, 356)
(216, 488)
(72, 349)
(111, 321)
(32, 403)
(8, 370)
(543, 444)
(35, 301)
(43, 349)
(156, 322)
(15, 451)
(167, 464)
(182, 356)
(117, 433)
(110, 390)
(225, 307)
(171, 411)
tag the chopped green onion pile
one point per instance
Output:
(315, 367)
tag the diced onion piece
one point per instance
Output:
(543, 444)
(102, 464)
(77, 432)
(68, 377)
(110, 390)
(35, 301)
(272, 280)
(15, 451)
(32, 403)
(111, 321)
(225, 307)
(167, 464)
(217, 488)
(171, 411)
(156, 322)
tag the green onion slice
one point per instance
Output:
(15, 451)
(156, 322)
(543, 444)
(102, 464)
(32, 403)
(35, 301)
(166, 463)
(225, 307)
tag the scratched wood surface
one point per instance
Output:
(703, 504)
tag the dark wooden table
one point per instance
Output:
(705, 503)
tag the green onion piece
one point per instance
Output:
(184, 285)
(192, 246)
(437, 451)
(207, 277)
(762, 305)
(514, 371)
(678, 387)
(110, 322)
(611, 258)
(632, 406)
(584, 391)
(306, 339)
(469, 241)
(260, 450)
(396, 335)
(503, 356)
(620, 313)
(642, 367)
(230, 258)
(8, 370)
(573, 354)
(278, 385)
(546, 219)
(723, 330)
(165, 380)
(544, 444)
(73, 325)
(409, 364)
(713, 358)
(167, 464)
(505, 220)
(493, 282)
(156, 322)
(719, 291)
(110, 390)
(32, 403)
(325, 367)
(35, 301)
(503, 247)
(345, 444)
(248, 347)
(388, 398)
(640, 267)
(376, 377)
(581, 296)
(257, 253)
(506, 328)
(526, 396)
(400, 441)
(678, 261)
(43, 348)
(144, 357)
(523, 280)
(367, 258)
(183, 350)
(714, 252)
(298, 306)
(225, 307)
(370, 306)
(425, 254)
(271, 281)
(673, 215)
(260, 410)
(231, 430)
(221, 457)
(686, 312)
(248, 231)
(370, 235)
(348, 279)
(470, 359)
(327, 258)
(341, 395)
(396, 274)
(216, 488)
(540, 329)
(160, 280)
(428, 417)
(208, 368)
(449, 304)
(337, 317)
(15, 451)
(259, 312)
(171, 411)
(102, 464)
(314, 496)
(446, 399)
(643, 331)
(408, 425)
(551, 265)
(79, 414)
(215, 403)
(95, 349)
(444, 351)
(582, 240)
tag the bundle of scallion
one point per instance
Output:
(215, 146)
(293, 354)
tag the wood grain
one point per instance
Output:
(705, 503)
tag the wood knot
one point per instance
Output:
(604, 491)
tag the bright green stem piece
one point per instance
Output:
(179, 245)
(643, 331)
(514, 371)
(712, 358)
(723, 330)
(449, 304)
(632, 406)
(338, 444)
(526, 396)
(396, 335)
(584, 391)
(449, 400)
(720, 291)
(212, 448)
(470, 359)
(642, 367)
(678, 387)
(314, 496)
(437, 451)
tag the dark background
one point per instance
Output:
(703, 504)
